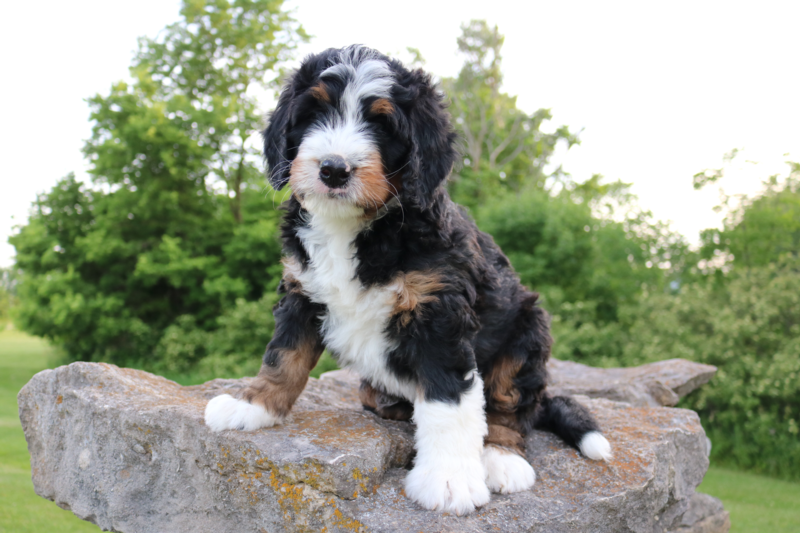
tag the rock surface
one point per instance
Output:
(129, 451)
(653, 385)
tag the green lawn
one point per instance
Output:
(21, 510)
(757, 504)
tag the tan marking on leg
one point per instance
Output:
(383, 404)
(509, 420)
(502, 394)
(414, 289)
(382, 106)
(506, 438)
(277, 387)
(368, 395)
(320, 92)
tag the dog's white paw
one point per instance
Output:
(507, 472)
(226, 412)
(595, 446)
(456, 486)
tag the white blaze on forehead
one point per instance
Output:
(369, 78)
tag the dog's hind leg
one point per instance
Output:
(515, 383)
(515, 388)
(383, 404)
(507, 469)
(291, 354)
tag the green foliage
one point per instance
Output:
(169, 259)
(176, 228)
(624, 291)
(228, 350)
(586, 265)
(505, 148)
(708, 176)
(105, 274)
(209, 70)
(759, 231)
(749, 328)
(7, 295)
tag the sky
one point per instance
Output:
(660, 91)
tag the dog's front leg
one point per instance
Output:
(448, 473)
(291, 354)
(435, 343)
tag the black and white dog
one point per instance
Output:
(396, 281)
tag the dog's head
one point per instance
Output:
(354, 128)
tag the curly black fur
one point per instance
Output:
(481, 317)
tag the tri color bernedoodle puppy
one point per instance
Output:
(398, 283)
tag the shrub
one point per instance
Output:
(187, 352)
(750, 329)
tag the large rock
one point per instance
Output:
(655, 384)
(129, 451)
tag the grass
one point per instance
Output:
(757, 504)
(21, 510)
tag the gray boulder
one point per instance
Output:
(129, 451)
(652, 385)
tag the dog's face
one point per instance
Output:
(353, 129)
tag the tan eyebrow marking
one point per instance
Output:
(320, 92)
(382, 106)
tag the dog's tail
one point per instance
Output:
(574, 423)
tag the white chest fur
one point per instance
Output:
(355, 322)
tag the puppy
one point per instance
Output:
(397, 282)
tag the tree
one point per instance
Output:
(175, 227)
(504, 146)
(748, 326)
(209, 69)
(756, 231)
(7, 294)
(588, 267)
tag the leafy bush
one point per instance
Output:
(232, 349)
(750, 329)
(757, 231)
(175, 230)
(106, 274)
(612, 307)
(584, 265)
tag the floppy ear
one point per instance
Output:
(274, 135)
(432, 140)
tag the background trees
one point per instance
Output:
(7, 295)
(176, 228)
(169, 258)
(503, 147)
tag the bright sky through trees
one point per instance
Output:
(661, 91)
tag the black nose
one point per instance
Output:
(334, 171)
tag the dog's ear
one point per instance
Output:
(275, 150)
(432, 139)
